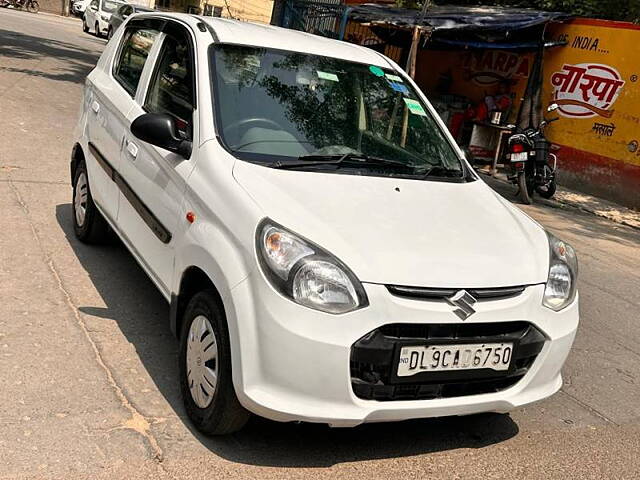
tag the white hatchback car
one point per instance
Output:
(97, 15)
(327, 252)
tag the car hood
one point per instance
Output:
(405, 232)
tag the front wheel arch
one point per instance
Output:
(193, 280)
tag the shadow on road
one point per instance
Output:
(142, 315)
(77, 61)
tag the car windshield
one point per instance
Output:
(110, 6)
(278, 107)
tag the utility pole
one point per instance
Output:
(415, 39)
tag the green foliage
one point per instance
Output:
(626, 10)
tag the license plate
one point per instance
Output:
(519, 157)
(438, 358)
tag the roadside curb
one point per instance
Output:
(70, 18)
(600, 208)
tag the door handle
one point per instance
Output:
(95, 106)
(132, 148)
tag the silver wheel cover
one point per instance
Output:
(80, 199)
(202, 361)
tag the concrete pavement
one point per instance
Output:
(87, 362)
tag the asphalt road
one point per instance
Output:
(88, 365)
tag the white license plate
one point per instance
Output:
(438, 358)
(519, 157)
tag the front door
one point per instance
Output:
(150, 214)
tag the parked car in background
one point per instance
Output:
(97, 15)
(121, 14)
(79, 6)
(315, 230)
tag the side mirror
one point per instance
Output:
(553, 107)
(159, 129)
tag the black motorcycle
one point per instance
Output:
(533, 166)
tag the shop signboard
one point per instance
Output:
(594, 80)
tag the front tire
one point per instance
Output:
(205, 368)
(97, 30)
(547, 190)
(85, 27)
(88, 224)
(109, 33)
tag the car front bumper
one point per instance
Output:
(292, 363)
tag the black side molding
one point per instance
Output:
(139, 206)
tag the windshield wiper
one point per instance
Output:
(351, 158)
(442, 171)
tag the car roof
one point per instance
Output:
(269, 36)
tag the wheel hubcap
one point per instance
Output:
(202, 361)
(80, 199)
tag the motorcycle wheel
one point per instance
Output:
(547, 191)
(525, 194)
(33, 6)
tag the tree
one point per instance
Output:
(625, 10)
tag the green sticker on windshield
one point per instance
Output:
(415, 107)
(377, 71)
(327, 76)
(394, 78)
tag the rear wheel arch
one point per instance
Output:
(77, 157)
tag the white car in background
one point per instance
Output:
(97, 15)
(79, 6)
(327, 252)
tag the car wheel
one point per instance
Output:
(110, 33)
(88, 223)
(205, 368)
(85, 28)
(97, 30)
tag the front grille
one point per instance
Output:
(374, 360)
(442, 293)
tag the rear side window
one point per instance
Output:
(133, 55)
(172, 86)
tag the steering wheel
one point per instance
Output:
(248, 121)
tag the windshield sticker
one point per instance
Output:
(398, 87)
(327, 76)
(377, 71)
(415, 107)
(394, 78)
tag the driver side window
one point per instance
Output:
(171, 89)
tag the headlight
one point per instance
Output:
(563, 275)
(305, 273)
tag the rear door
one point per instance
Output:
(110, 99)
(152, 216)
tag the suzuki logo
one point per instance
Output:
(464, 301)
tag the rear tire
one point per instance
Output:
(97, 30)
(85, 28)
(524, 188)
(205, 368)
(88, 223)
(109, 33)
